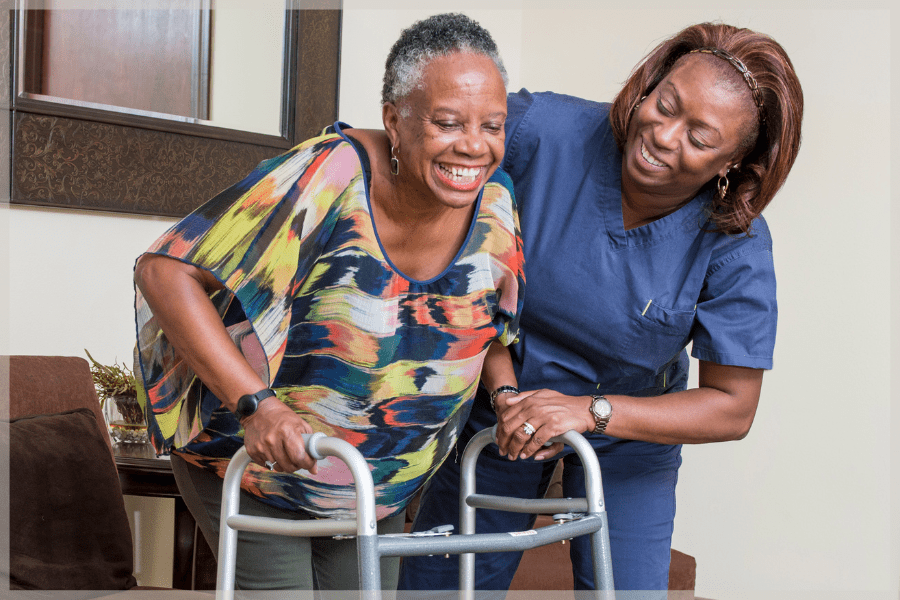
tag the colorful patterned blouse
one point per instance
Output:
(364, 353)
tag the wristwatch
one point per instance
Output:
(601, 409)
(248, 403)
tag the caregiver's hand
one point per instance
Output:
(549, 413)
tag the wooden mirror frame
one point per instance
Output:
(69, 156)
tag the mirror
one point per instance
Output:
(163, 139)
(188, 62)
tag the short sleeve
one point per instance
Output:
(260, 238)
(737, 311)
(507, 256)
(517, 107)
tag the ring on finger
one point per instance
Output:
(528, 428)
(271, 464)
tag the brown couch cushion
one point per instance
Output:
(68, 527)
(41, 385)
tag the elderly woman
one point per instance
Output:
(352, 286)
(642, 231)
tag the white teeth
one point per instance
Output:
(461, 172)
(649, 158)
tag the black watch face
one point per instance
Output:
(246, 406)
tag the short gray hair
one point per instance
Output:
(425, 40)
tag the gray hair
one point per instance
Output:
(425, 40)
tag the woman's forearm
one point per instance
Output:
(721, 409)
(178, 294)
(497, 369)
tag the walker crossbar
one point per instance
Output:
(545, 506)
(324, 527)
(488, 542)
(371, 547)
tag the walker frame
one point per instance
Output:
(580, 516)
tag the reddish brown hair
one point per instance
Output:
(766, 165)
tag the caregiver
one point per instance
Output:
(642, 232)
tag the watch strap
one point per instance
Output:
(248, 403)
(503, 389)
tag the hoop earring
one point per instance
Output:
(723, 185)
(635, 107)
(395, 163)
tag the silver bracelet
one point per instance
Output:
(503, 389)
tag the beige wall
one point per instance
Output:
(246, 44)
(802, 507)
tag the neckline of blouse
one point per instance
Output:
(363, 158)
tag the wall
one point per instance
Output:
(802, 507)
(245, 79)
(69, 272)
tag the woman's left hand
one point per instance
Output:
(549, 413)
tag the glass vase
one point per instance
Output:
(125, 419)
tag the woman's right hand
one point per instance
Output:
(273, 434)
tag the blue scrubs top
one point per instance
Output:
(610, 311)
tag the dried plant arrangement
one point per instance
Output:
(111, 380)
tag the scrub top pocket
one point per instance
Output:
(656, 334)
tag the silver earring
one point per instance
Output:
(395, 163)
(723, 185)
(635, 107)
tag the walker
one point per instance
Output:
(573, 516)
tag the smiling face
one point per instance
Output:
(451, 142)
(686, 132)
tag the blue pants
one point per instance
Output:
(639, 490)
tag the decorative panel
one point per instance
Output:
(82, 164)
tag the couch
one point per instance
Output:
(68, 525)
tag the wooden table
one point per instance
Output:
(142, 474)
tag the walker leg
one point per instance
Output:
(369, 566)
(228, 535)
(466, 512)
(602, 559)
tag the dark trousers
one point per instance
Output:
(274, 562)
